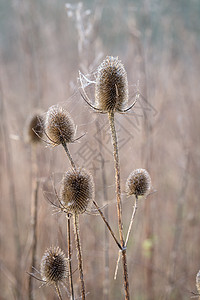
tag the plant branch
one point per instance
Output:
(34, 211)
(104, 219)
(70, 257)
(119, 207)
(58, 291)
(69, 155)
(128, 233)
(79, 254)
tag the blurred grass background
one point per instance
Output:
(43, 46)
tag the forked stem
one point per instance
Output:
(79, 254)
(127, 237)
(109, 228)
(70, 257)
(118, 194)
(58, 291)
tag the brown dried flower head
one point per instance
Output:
(77, 191)
(138, 183)
(59, 126)
(53, 267)
(198, 282)
(111, 88)
(34, 128)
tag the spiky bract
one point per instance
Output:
(34, 127)
(53, 267)
(111, 88)
(59, 126)
(77, 191)
(138, 183)
(198, 282)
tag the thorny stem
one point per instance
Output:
(104, 219)
(69, 155)
(58, 291)
(79, 254)
(106, 214)
(118, 194)
(128, 233)
(68, 230)
(70, 257)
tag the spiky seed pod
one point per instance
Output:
(138, 183)
(34, 128)
(111, 88)
(198, 282)
(53, 267)
(77, 191)
(59, 126)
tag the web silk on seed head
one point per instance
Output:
(111, 88)
(138, 183)
(53, 267)
(77, 191)
(59, 126)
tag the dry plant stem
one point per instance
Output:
(106, 214)
(69, 155)
(119, 207)
(109, 228)
(58, 291)
(70, 256)
(34, 211)
(79, 254)
(12, 193)
(178, 229)
(128, 233)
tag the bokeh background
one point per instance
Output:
(44, 45)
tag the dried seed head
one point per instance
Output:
(198, 282)
(34, 128)
(138, 183)
(59, 126)
(77, 191)
(111, 88)
(53, 267)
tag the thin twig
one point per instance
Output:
(79, 254)
(34, 211)
(70, 257)
(12, 192)
(58, 291)
(119, 207)
(104, 219)
(106, 214)
(69, 155)
(127, 237)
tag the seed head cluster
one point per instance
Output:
(77, 191)
(111, 88)
(198, 282)
(53, 267)
(138, 183)
(34, 128)
(59, 126)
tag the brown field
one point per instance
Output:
(43, 47)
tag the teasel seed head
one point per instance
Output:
(34, 127)
(111, 88)
(54, 265)
(198, 282)
(59, 126)
(77, 191)
(138, 183)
